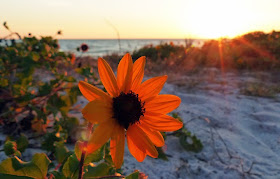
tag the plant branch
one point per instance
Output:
(108, 176)
(81, 164)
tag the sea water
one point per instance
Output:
(98, 48)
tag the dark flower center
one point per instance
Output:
(128, 109)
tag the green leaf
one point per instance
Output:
(61, 152)
(36, 168)
(48, 142)
(7, 176)
(35, 56)
(184, 135)
(74, 93)
(93, 157)
(10, 148)
(78, 151)
(161, 154)
(108, 157)
(98, 171)
(71, 167)
(45, 89)
(134, 175)
(69, 79)
(195, 146)
(58, 175)
(22, 143)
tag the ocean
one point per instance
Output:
(98, 48)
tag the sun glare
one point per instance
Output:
(219, 18)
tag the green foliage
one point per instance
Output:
(93, 157)
(161, 154)
(10, 148)
(260, 90)
(15, 148)
(158, 52)
(188, 141)
(8, 176)
(49, 140)
(22, 143)
(71, 167)
(195, 145)
(61, 152)
(36, 168)
(252, 51)
(101, 169)
(134, 175)
(58, 175)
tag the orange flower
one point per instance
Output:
(130, 108)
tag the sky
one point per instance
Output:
(145, 19)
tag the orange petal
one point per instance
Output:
(154, 136)
(91, 92)
(97, 111)
(161, 122)
(101, 135)
(107, 77)
(138, 140)
(164, 103)
(124, 74)
(151, 87)
(137, 153)
(117, 146)
(138, 72)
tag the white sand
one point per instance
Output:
(242, 130)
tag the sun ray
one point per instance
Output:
(260, 51)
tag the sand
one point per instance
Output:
(241, 140)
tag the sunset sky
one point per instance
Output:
(91, 19)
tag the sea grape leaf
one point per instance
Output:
(100, 170)
(134, 175)
(8, 176)
(74, 93)
(195, 146)
(71, 167)
(10, 148)
(22, 143)
(69, 79)
(48, 142)
(36, 168)
(61, 152)
(184, 134)
(78, 149)
(45, 89)
(93, 157)
(161, 154)
(58, 175)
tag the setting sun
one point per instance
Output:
(220, 18)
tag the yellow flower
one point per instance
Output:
(130, 108)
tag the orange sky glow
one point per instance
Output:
(168, 19)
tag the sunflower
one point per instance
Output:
(129, 109)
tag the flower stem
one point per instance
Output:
(81, 164)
